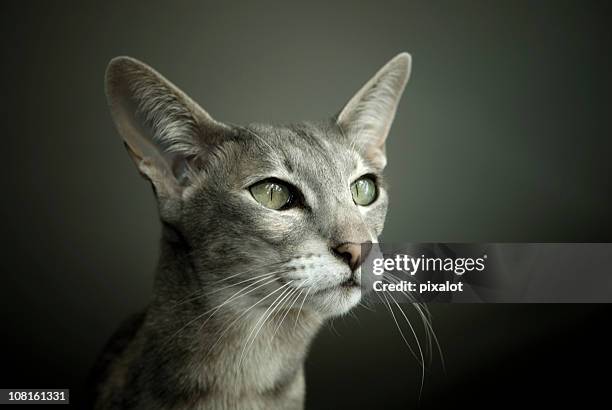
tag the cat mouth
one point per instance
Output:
(348, 284)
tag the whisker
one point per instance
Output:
(253, 269)
(262, 320)
(426, 319)
(281, 306)
(228, 327)
(243, 281)
(300, 309)
(363, 305)
(181, 301)
(417, 342)
(235, 296)
(388, 306)
(330, 325)
(295, 299)
(425, 316)
(215, 309)
(258, 137)
(204, 294)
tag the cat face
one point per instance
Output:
(296, 226)
(271, 215)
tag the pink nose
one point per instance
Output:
(351, 253)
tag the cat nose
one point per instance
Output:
(353, 253)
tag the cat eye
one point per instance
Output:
(272, 194)
(364, 191)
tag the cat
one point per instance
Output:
(262, 229)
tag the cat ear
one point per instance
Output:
(367, 117)
(163, 129)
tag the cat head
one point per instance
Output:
(270, 211)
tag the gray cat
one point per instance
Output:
(262, 227)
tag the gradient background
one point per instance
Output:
(503, 135)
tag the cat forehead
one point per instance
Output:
(306, 151)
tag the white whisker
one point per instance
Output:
(300, 309)
(417, 342)
(215, 309)
(297, 296)
(228, 327)
(262, 320)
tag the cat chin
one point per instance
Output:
(337, 301)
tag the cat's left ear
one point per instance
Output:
(367, 117)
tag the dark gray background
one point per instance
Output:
(503, 135)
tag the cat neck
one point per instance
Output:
(254, 351)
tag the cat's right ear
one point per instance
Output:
(164, 130)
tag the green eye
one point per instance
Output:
(364, 191)
(271, 194)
